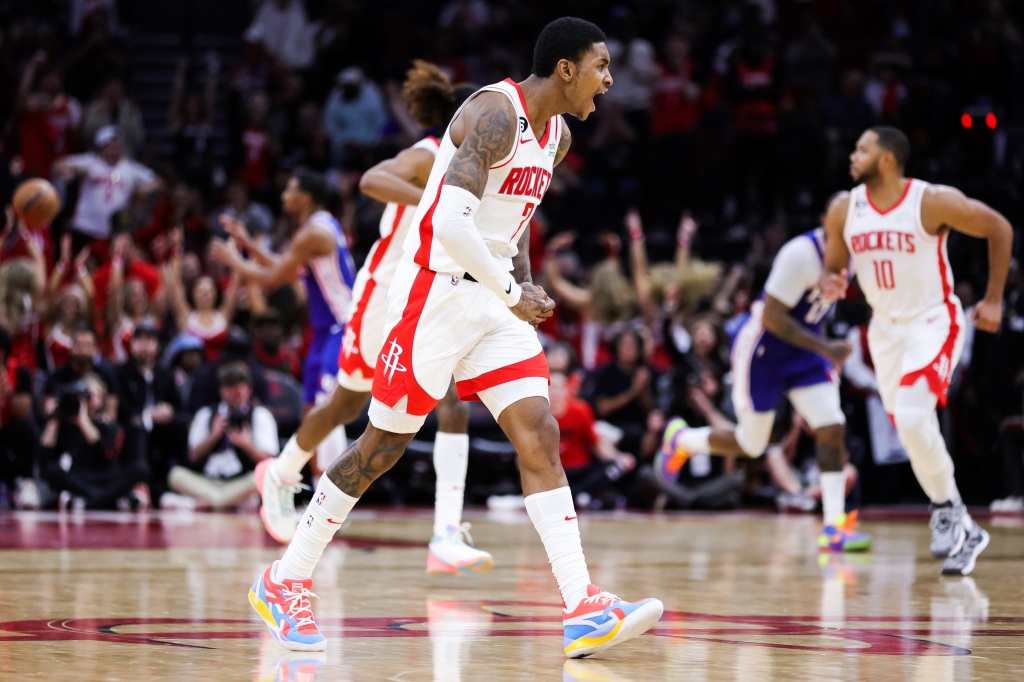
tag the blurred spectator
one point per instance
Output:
(47, 118)
(257, 149)
(111, 107)
(150, 406)
(131, 284)
(67, 306)
(592, 464)
(21, 287)
(206, 311)
(85, 463)
(108, 182)
(354, 115)
(239, 205)
(268, 345)
(183, 357)
(308, 145)
(283, 29)
(636, 76)
(97, 53)
(225, 441)
(190, 123)
(205, 390)
(622, 390)
(83, 361)
(18, 437)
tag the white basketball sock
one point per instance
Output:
(833, 495)
(554, 517)
(451, 456)
(291, 460)
(695, 440)
(323, 517)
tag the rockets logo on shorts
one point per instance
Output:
(391, 360)
(348, 341)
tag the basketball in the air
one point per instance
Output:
(36, 202)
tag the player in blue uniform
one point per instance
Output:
(781, 351)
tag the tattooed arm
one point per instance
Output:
(521, 261)
(485, 134)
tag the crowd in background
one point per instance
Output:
(136, 371)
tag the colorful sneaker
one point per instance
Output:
(454, 552)
(972, 541)
(285, 608)
(602, 620)
(947, 526)
(278, 496)
(671, 457)
(842, 536)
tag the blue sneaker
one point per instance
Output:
(670, 458)
(602, 620)
(285, 609)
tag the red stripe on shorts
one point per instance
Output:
(393, 377)
(422, 257)
(939, 371)
(353, 362)
(537, 366)
(385, 242)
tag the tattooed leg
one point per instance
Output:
(367, 459)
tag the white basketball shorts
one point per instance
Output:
(926, 346)
(439, 326)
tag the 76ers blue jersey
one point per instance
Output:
(329, 280)
(771, 366)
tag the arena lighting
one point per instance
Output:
(966, 121)
(990, 120)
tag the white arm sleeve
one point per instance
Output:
(455, 229)
(796, 269)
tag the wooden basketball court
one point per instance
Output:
(747, 597)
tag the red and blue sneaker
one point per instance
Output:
(671, 457)
(284, 607)
(602, 620)
(842, 536)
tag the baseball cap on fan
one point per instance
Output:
(105, 136)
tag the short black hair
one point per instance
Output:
(565, 38)
(313, 184)
(233, 374)
(893, 140)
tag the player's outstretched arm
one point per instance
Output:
(310, 242)
(945, 208)
(835, 273)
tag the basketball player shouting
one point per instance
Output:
(432, 101)
(895, 228)
(455, 309)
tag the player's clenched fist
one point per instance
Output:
(535, 306)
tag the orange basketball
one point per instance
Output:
(36, 202)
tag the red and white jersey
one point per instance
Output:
(382, 260)
(902, 270)
(515, 186)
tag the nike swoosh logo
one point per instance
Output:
(509, 289)
(336, 523)
(569, 518)
(522, 141)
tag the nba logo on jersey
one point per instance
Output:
(319, 500)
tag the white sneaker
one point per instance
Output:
(26, 495)
(278, 497)
(1008, 505)
(453, 552)
(170, 500)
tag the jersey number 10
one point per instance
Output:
(884, 277)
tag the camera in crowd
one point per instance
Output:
(69, 400)
(238, 417)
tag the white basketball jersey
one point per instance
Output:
(902, 270)
(382, 260)
(515, 186)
